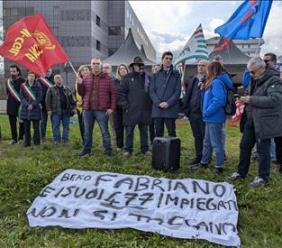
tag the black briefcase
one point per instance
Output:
(166, 153)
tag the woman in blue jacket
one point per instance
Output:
(215, 96)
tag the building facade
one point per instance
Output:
(85, 29)
(249, 47)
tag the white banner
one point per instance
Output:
(187, 208)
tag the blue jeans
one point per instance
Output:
(56, 122)
(143, 130)
(213, 141)
(89, 117)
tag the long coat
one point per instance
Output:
(12, 104)
(135, 100)
(35, 113)
(266, 105)
(165, 88)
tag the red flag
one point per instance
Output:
(30, 43)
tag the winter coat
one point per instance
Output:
(12, 104)
(215, 99)
(35, 113)
(266, 105)
(135, 100)
(165, 88)
(105, 94)
(44, 91)
(192, 101)
(53, 101)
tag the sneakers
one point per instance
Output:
(194, 161)
(218, 170)
(84, 153)
(127, 154)
(234, 176)
(12, 142)
(198, 166)
(257, 183)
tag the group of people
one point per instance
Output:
(31, 101)
(204, 104)
(151, 101)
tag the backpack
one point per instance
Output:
(230, 106)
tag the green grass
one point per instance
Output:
(25, 171)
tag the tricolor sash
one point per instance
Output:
(45, 82)
(28, 91)
(12, 90)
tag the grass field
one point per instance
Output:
(25, 171)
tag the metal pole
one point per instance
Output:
(257, 50)
(70, 63)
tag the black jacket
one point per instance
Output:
(12, 104)
(192, 101)
(53, 101)
(266, 105)
(44, 90)
(135, 100)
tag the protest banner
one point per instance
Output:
(186, 208)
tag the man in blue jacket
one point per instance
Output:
(165, 91)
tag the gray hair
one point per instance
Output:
(257, 62)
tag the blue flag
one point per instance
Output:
(248, 21)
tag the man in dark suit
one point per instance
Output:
(165, 91)
(193, 108)
(13, 103)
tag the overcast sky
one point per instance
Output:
(169, 24)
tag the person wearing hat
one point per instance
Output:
(136, 104)
(165, 91)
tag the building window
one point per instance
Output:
(98, 21)
(98, 45)
(115, 30)
(75, 41)
(75, 15)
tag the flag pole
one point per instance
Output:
(257, 50)
(71, 65)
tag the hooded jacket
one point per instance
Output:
(215, 99)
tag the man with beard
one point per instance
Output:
(14, 102)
